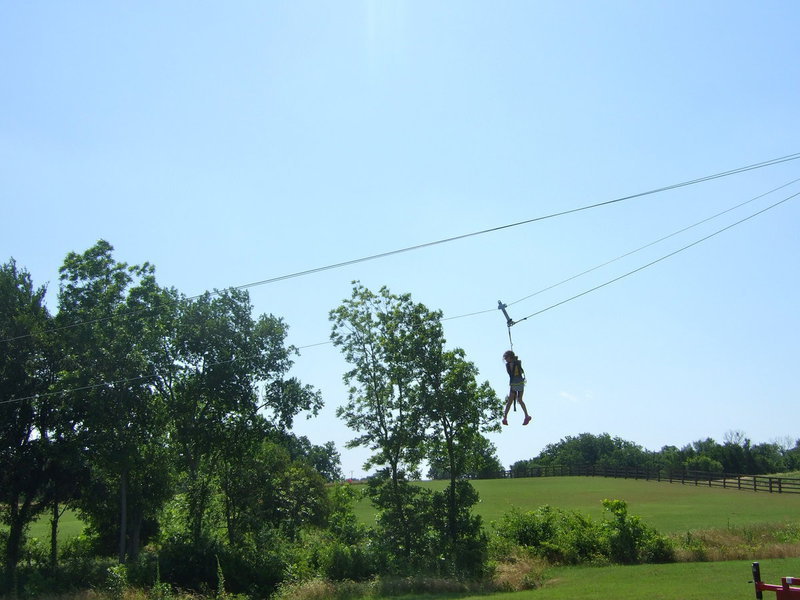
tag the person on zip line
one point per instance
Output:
(517, 385)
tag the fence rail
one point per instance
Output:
(753, 483)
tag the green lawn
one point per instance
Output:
(676, 581)
(670, 508)
(69, 525)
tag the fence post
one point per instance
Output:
(757, 579)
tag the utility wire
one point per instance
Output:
(760, 165)
(631, 252)
(552, 306)
(658, 260)
(525, 222)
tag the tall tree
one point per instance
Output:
(226, 368)
(386, 338)
(26, 408)
(458, 411)
(109, 312)
(409, 398)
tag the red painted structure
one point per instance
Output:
(789, 589)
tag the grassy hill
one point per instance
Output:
(670, 508)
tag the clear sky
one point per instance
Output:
(228, 143)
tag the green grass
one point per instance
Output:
(69, 526)
(670, 508)
(684, 581)
(677, 581)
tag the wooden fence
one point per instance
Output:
(753, 483)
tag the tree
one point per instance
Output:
(26, 408)
(225, 368)
(457, 411)
(110, 315)
(482, 463)
(264, 487)
(590, 450)
(386, 338)
(325, 458)
(409, 398)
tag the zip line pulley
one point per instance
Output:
(509, 321)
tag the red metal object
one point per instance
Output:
(789, 589)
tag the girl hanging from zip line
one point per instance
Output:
(517, 385)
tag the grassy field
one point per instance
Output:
(684, 581)
(670, 508)
(69, 525)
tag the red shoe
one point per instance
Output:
(527, 420)
(505, 421)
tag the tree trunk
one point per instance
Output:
(123, 514)
(15, 533)
(451, 496)
(136, 535)
(54, 537)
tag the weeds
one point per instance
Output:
(738, 543)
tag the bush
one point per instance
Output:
(568, 537)
(557, 535)
(630, 540)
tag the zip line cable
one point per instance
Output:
(518, 223)
(658, 260)
(552, 306)
(760, 165)
(629, 253)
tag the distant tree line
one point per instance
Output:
(736, 455)
(166, 422)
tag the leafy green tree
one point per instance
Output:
(482, 463)
(767, 458)
(791, 456)
(325, 458)
(226, 369)
(26, 408)
(410, 398)
(588, 449)
(705, 463)
(263, 486)
(457, 411)
(385, 337)
(671, 459)
(110, 315)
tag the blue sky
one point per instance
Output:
(234, 143)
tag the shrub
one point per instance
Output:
(568, 537)
(630, 540)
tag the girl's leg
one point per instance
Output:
(524, 408)
(509, 400)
